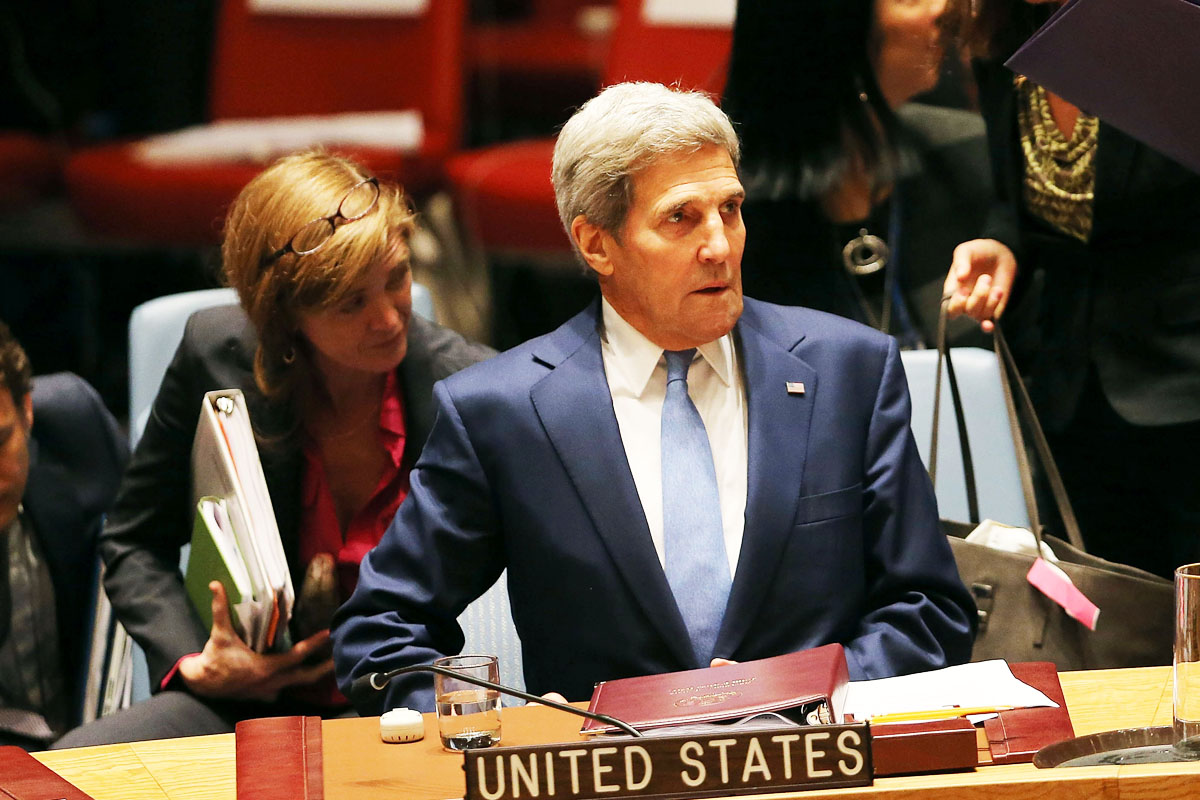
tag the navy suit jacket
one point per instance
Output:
(76, 457)
(525, 469)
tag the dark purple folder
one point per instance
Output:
(1133, 63)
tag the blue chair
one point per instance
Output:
(997, 476)
(156, 328)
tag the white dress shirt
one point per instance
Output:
(637, 378)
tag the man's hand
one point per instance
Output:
(980, 280)
(721, 662)
(227, 668)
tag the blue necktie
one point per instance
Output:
(693, 536)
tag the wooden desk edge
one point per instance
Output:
(167, 769)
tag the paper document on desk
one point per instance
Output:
(982, 684)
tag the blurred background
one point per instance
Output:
(92, 223)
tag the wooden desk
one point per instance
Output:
(359, 766)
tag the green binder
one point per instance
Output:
(216, 557)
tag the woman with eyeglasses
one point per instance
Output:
(338, 376)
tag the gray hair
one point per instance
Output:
(618, 133)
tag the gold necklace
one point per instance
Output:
(1060, 173)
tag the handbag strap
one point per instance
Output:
(1018, 406)
(1008, 367)
(968, 462)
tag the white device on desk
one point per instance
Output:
(401, 725)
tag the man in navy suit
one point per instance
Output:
(61, 457)
(771, 501)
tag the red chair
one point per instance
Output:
(522, 72)
(550, 41)
(30, 168)
(505, 199)
(275, 65)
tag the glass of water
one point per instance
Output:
(1187, 661)
(468, 715)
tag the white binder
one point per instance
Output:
(225, 465)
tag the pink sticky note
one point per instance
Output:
(1055, 584)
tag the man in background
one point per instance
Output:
(61, 457)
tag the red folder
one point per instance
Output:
(23, 777)
(808, 678)
(279, 758)
(1014, 736)
(901, 748)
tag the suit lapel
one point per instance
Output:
(67, 546)
(416, 385)
(53, 510)
(777, 448)
(575, 407)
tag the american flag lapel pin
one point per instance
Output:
(795, 387)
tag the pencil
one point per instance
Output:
(937, 713)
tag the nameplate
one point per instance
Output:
(661, 767)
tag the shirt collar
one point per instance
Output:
(636, 357)
(391, 419)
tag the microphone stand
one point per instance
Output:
(377, 681)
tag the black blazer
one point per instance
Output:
(152, 518)
(1127, 301)
(76, 457)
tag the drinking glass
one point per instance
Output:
(1187, 661)
(468, 715)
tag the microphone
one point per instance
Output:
(363, 686)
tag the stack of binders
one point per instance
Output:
(235, 539)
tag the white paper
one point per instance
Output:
(216, 517)
(263, 140)
(986, 683)
(690, 13)
(341, 8)
(1009, 539)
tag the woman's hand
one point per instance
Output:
(980, 280)
(227, 668)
